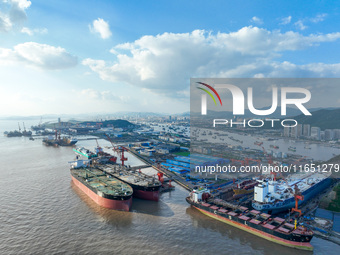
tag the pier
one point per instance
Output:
(172, 176)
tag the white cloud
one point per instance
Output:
(30, 32)
(5, 23)
(286, 20)
(15, 15)
(42, 56)
(22, 4)
(256, 20)
(318, 18)
(164, 63)
(102, 95)
(101, 27)
(299, 24)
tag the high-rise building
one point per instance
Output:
(336, 133)
(294, 132)
(306, 130)
(315, 133)
(286, 131)
(329, 134)
(299, 130)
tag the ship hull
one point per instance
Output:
(115, 204)
(142, 192)
(147, 195)
(292, 244)
(67, 143)
(298, 243)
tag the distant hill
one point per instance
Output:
(115, 123)
(325, 119)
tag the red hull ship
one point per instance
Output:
(106, 191)
(144, 186)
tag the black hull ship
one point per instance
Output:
(276, 229)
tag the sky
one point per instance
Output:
(75, 57)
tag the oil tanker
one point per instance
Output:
(105, 190)
(276, 229)
(144, 186)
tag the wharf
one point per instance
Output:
(172, 176)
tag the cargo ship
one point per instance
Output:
(292, 148)
(276, 229)
(65, 141)
(85, 152)
(144, 186)
(277, 196)
(99, 156)
(14, 133)
(105, 190)
(50, 141)
(104, 157)
(27, 133)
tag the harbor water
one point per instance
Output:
(42, 212)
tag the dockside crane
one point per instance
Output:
(109, 138)
(119, 150)
(297, 196)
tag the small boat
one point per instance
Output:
(291, 148)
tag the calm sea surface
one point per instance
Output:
(42, 212)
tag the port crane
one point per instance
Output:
(297, 196)
(99, 149)
(120, 150)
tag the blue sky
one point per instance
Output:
(107, 56)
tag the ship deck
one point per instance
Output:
(131, 176)
(100, 182)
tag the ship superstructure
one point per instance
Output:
(277, 196)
